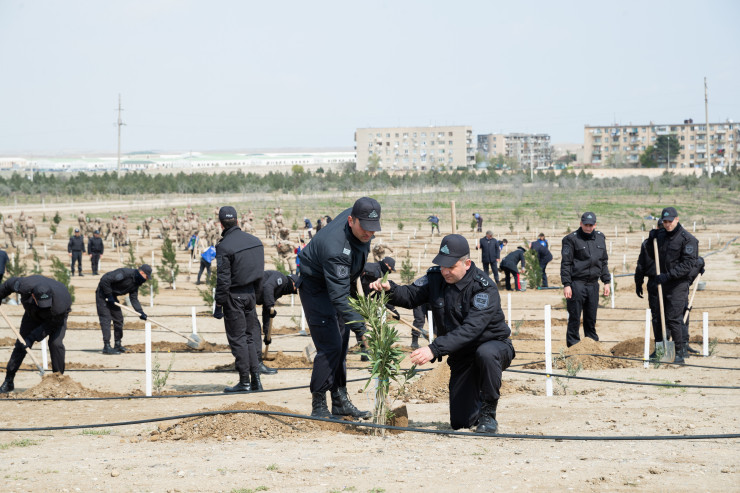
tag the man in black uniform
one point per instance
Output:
(119, 282)
(47, 303)
(678, 253)
(274, 285)
(544, 256)
(240, 264)
(330, 266)
(466, 310)
(584, 261)
(490, 253)
(510, 266)
(95, 249)
(3, 263)
(76, 247)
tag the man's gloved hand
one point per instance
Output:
(662, 278)
(218, 313)
(142, 315)
(395, 315)
(273, 312)
(267, 340)
(638, 290)
(112, 300)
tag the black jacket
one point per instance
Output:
(3, 261)
(119, 282)
(584, 258)
(61, 301)
(95, 246)
(490, 252)
(512, 259)
(465, 314)
(335, 258)
(543, 253)
(240, 261)
(76, 244)
(274, 285)
(678, 252)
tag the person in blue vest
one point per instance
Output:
(478, 222)
(435, 222)
(490, 253)
(205, 263)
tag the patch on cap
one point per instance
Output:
(444, 250)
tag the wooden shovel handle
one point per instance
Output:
(660, 288)
(131, 310)
(20, 339)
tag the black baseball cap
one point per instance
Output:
(588, 218)
(42, 293)
(367, 210)
(146, 269)
(226, 212)
(77, 230)
(669, 214)
(96, 232)
(452, 248)
(391, 262)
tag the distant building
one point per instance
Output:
(415, 148)
(621, 145)
(529, 150)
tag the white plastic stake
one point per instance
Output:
(414, 233)
(148, 356)
(611, 288)
(610, 248)
(548, 352)
(615, 232)
(195, 327)
(646, 364)
(152, 259)
(431, 326)
(292, 300)
(391, 235)
(44, 354)
(705, 333)
(710, 243)
(418, 264)
(508, 308)
(625, 239)
(303, 321)
(694, 226)
(214, 300)
(151, 296)
(624, 261)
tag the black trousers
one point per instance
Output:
(330, 336)
(266, 324)
(242, 330)
(515, 273)
(544, 274)
(420, 313)
(204, 266)
(94, 262)
(654, 304)
(106, 314)
(56, 344)
(475, 377)
(585, 300)
(76, 257)
(493, 266)
(675, 302)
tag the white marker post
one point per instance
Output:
(44, 354)
(431, 326)
(694, 226)
(646, 364)
(418, 264)
(148, 356)
(611, 289)
(610, 248)
(548, 352)
(292, 300)
(303, 323)
(152, 259)
(214, 300)
(508, 308)
(195, 326)
(624, 262)
(391, 235)
(615, 232)
(705, 334)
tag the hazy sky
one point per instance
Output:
(240, 74)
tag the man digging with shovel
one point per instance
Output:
(119, 282)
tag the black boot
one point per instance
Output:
(7, 386)
(109, 350)
(120, 348)
(256, 382)
(680, 353)
(487, 418)
(319, 409)
(691, 350)
(342, 406)
(363, 352)
(266, 370)
(242, 386)
(414, 341)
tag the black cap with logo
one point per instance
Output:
(367, 210)
(669, 214)
(226, 212)
(42, 293)
(390, 262)
(146, 269)
(588, 218)
(452, 248)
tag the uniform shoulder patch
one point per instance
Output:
(482, 280)
(689, 248)
(346, 251)
(566, 250)
(119, 276)
(422, 281)
(599, 232)
(342, 271)
(434, 268)
(480, 300)
(279, 281)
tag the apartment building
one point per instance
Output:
(415, 148)
(529, 150)
(621, 145)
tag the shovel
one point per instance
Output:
(194, 341)
(20, 339)
(268, 337)
(691, 301)
(669, 347)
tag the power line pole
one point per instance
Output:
(120, 124)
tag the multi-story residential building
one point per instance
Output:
(414, 148)
(529, 150)
(621, 145)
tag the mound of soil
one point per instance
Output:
(7, 341)
(581, 353)
(632, 348)
(245, 425)
(285, 330)
(172, 347)
(276, 360)
(68, 365)
(58, 386)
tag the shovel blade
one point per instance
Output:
(195, 342)
(669, 351)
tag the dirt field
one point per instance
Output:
(249, 452)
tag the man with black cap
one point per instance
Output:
(471, 330)
(240, 264)
(510, 266)
(584, 261)
(678, 253)
(490, 253)
(76, 247)
(274, 285)
(47, 303)
(119, 282)
(331, 263)
(95, 249)
(544, 257)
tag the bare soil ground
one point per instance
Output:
(242, 452)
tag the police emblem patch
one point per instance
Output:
(279, 281)
(566, 250)
(342, 271)
(480, 300)
(444, 250)
(372, 214)
(346, 251)
(689, 249)
(665, 213)
(422, 281)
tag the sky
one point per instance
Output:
(221, 75)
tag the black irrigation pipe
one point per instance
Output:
(627, 382)
(358, 424)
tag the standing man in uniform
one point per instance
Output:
(240, 264)
(471, 328)
(95, 249)
(3, 263)
(30, 231)
(47, 303)
(76, 247)
(330, 266)
(9, 230)
(119, 282)
(308, 227)
(584, 261)
(490, 253)
(274, 285)
(544, 256)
